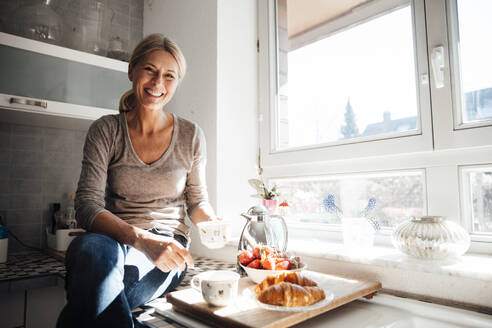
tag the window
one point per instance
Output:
(477, 190)
(460, 104)
(357, 83)
(475, 79)
(398, 195)
(389, 99)
(342, 79)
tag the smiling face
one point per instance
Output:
(155, 78)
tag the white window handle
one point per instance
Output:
(437, 60)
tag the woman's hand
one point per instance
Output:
(165, 252)
(204, 214)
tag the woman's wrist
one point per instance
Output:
(138, 236)
(109, 224)
(203, 214)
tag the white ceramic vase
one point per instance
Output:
(431, 237)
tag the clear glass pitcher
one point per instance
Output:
(263, 228)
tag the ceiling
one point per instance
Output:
(303, 15)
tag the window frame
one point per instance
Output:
(446, 101)
(466, 207)
(455, 69)
(443, 183)
(408, 141)
(442, 155)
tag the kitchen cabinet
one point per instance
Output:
(31, 303)
(43, 306)
(11, 309)
(42, 78)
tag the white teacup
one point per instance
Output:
(214, 234)
(218, 288)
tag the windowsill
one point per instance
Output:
(471, 266)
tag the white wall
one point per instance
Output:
(193, 25)
(237, 100)
(218, 38)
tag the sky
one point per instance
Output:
(373, 65)
(475, 43)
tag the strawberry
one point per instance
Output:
(256, 252)
(281, 255)
(255, 264)
(280, 259)
(268, 263)
(268, 258)
(294, 262)
(245, 257)
(282, 265)
(267, 250)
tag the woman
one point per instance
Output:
(143, 170)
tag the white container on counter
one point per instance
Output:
(62, 238)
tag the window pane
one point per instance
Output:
(475, 28)
(357, 83)
(480, 186)
(398, 196)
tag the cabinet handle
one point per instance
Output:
(21, 101)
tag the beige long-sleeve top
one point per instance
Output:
(113, 178)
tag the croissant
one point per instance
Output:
(292, 277)
(288, 294)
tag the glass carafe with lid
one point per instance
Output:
(263, 228)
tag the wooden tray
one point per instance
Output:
(245, 312)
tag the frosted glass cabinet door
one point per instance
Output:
(30, 74)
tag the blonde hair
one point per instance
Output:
(147, 45)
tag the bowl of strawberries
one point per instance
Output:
(265, 260)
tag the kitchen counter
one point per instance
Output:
(30, 264)
(36, 269)
(381, 311)
(36, 264)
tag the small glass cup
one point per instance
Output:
(214, 234)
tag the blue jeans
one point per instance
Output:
(105, 280)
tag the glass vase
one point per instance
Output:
(89, 29)
(271, 205)
(431, 237)
(39, 22)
